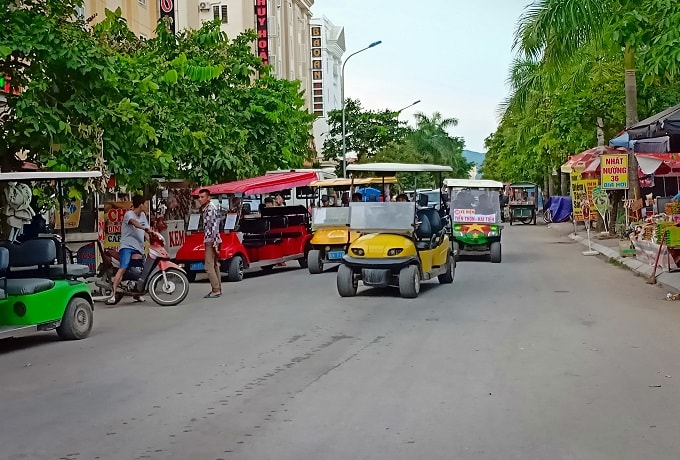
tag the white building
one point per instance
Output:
(282, 27)
(327, 49)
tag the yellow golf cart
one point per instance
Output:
(330, 221)
(400, 244)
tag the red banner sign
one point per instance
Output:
(262, 31)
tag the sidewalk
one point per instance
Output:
(609, 248)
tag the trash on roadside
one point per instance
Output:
(670, 296)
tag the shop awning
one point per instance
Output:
(589, 160)
(662, 124)
(263, 184)
(659, 163)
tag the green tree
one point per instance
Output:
(367, 131)
(195, 105)
(432, 140)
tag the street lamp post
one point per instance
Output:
(342, 96)
(407, 107)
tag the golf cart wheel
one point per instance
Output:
(447, 277)
(315, 262)
(495, 252)
(172, 293)
(235, 269)
(77, 321)
(347, 285)
(456, 250)
(191, 276)
(409, 282)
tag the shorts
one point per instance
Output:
(125, 255)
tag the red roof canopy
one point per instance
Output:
(263, 184)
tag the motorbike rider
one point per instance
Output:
(133, 231)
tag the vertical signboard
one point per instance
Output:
(614, 169)
(262, 32)
(317, 70)
(167, 8)
(582, 197)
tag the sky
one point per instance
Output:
(453, 55)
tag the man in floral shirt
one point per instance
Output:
(212, 241)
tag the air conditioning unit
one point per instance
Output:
(204, 6)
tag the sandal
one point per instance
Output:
(212, 295)
(139, 298)
(111, 300)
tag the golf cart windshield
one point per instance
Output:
(376, 217)
(475, 205)
(330, 217)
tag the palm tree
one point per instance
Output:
(555, 31)
(433, 141)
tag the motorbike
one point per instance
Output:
(166, 282)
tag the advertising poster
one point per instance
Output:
(71, 215)
(582, 198)
(114, 211)
(614, 171)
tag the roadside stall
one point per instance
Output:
(172, 205)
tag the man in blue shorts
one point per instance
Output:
(134, 229)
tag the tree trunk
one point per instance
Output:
(631, 116)
(600, 132)
(564, 185)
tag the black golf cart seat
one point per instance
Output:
(37, 258)
(20, 286)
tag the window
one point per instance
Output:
(221, 12)
(80, 12)
(142, 2)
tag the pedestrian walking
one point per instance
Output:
(212, 242)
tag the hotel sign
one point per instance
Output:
(262, 33)
(317, 71)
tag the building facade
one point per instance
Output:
(282, 27)
(141, 15)
(327, 49)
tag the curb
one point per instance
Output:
(664, 279)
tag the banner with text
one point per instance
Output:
(469, 215)
(582, 198)
(614, 170)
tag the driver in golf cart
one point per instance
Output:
(133, 232)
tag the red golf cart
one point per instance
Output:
(260, 239)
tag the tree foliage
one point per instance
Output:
(196, 105)
(569, 74)
(366, 131)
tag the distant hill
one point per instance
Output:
(474, 157)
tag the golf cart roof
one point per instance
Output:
(398, 167)
(263, 184)
(48, 175)
(522, 185)
(358, 181)
(472, 183)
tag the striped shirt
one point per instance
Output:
(211, 224)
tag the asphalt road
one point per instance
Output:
(549, 355)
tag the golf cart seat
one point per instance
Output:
(36, 258)
(424, 231)
(22, 286)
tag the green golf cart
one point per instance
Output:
(39, 289)
(475, 217)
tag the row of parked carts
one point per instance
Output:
(377, 243)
